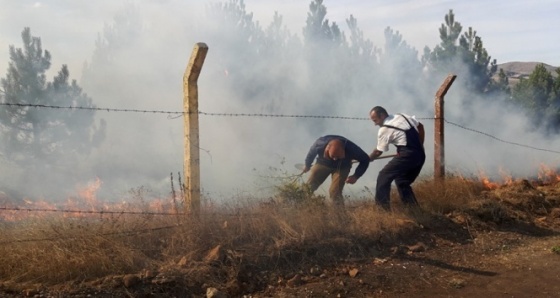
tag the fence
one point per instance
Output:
(191, 142)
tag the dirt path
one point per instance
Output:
(495, 264)
(527, 268)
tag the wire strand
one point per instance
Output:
(88, 211)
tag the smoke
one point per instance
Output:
(138, 59)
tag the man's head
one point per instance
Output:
(378, 115)
(335, 150)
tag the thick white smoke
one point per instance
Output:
(146, 63)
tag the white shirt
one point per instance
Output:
(388, 135)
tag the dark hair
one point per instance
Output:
(380, 111)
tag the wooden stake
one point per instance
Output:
(439, 148)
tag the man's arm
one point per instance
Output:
(375, 154)
(421, 132)
(362, 157)
(311, 154)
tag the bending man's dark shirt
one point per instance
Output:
(352, 152)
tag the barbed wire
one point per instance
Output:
(281, 115)
(90, 108)
(104, 212)
(264, 115)
(179, 114)
(125, 233)
(500, 140)
(88, 211)
(182, 113)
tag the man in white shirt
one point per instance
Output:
(407, 134)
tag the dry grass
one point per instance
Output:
(56, 249)
(454, 193)
(53, 249)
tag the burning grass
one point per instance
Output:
(55, 248)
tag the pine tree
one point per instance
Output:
(31, 133)
(399, 60)
(463, 55)
(446, 52)
(318, 30)
(502, 84)
(326, 57)
(538, 94)
(481, 67)
(361, 63)
(109, 65)
(360, 47)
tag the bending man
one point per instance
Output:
(407, 134)
(334, 157)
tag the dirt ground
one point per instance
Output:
(508, 246)
(494, 264)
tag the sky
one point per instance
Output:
(517, 30)
(235, 152)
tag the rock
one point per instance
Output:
(215, 255)
(399, 250)
(149, 273)
(215, 293)
(161, 279)
(183, 262)
(30, 292)
(457, 283)
(418, 247)
(378, 261)
(315, 271)
(294, 281)
(130, 280)
(353, 272)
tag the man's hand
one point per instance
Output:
(352, 179)
(305, 169)
(375, 154)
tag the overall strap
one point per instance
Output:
(390, 126)
(393, 127)
(406, 120)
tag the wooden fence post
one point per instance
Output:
(439, 148)
(191, 165)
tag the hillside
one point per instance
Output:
(517, 70)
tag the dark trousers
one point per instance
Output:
(403, 169)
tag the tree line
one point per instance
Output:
(336, 66)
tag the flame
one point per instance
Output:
(506, 177)
(88, 194)
(547, 175)
(486, 181)
(17, 215)
(85, 204)
(489, 184)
